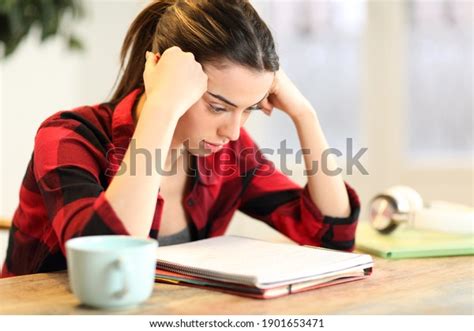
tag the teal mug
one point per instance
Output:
(111, 271)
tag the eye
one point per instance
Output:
(216, 109)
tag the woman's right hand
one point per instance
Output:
(174, 79)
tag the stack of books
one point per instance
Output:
(255, 268)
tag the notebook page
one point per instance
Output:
(264, 262)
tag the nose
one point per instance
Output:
(231, 128)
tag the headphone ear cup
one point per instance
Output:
(407, 199)
(414, 198)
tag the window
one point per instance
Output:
(440, 71)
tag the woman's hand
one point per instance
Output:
(285, 96)
(327, 191)
(174, 78)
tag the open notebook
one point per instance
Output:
(257, 268)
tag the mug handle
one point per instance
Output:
(119, 266)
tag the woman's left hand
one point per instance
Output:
(285, 96)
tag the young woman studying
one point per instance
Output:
(167, 157)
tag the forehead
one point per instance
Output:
(241, 85)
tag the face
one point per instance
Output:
(233, 93)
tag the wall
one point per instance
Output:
(41, 80)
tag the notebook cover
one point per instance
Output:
(246, 291)
(409, 243)
(255, 263)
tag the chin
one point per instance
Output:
(199, 153)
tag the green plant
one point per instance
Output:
(17, 17)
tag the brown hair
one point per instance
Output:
(213, 30)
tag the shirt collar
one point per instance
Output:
(123, 128)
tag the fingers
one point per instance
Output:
(267, 112)
(151, 58)
(147, 55)
(267, 107)
(149, 61)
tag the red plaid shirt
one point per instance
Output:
(77, 153)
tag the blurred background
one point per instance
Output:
(395, 77)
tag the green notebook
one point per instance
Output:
(408, 243)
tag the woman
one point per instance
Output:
(167, 157)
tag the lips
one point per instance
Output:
(212, 147)
(217, 145)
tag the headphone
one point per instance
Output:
(403, 205)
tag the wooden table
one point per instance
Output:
(415, 286)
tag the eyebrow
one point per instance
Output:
(220, 97)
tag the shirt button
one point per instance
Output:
(191, 202)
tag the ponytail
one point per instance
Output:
(138, 40)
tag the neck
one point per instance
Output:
(172, 161)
